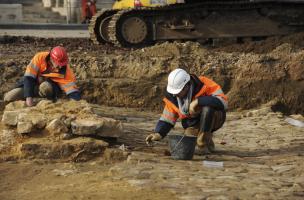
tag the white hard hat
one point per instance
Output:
(177, 80)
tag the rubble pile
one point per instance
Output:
(41, 129)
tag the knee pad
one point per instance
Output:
(46, 90)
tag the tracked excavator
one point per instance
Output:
(139, 23)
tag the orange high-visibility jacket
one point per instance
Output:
(39, 67)
(204, 87)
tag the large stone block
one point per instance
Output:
(78, 149)
(24, 127)
(10, 118)
(10, 13)
(105, 127)
(45, 104)
(15, 105)
(39, 121)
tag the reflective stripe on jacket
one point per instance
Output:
(203, 87)
(64, 77)
(211, 88)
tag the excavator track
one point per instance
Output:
(112, 26)
(98, 34)
(121, 34)
(209, 19)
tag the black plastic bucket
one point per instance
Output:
(182, 147)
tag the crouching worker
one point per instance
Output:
(46, 76)
(200, 104)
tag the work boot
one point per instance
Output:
(14, 95)
(201, 150)
(210, 143)
(46, 89)
(204, 141)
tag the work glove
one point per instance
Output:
(153, 137)
(193, 107)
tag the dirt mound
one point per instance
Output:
(264, 46)
(251, 74)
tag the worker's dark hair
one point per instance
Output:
(48, 58)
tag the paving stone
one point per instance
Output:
(15, 105)
(39, 121)
(282, 168)
(105, 127)
(10, 118)
(24, 127)
(45, 104)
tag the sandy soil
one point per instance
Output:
(69, 181)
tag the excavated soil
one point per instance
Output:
(251, 73)
(259, 154)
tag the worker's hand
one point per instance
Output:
(29, 101)
(193, 107)
(153, 137)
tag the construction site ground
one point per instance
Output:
(259, 154)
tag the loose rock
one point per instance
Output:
(104, 127)
(56, 127)
(10, 118)
(24, 127)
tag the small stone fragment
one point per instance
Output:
(57, 127)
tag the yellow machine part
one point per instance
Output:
(124, 4)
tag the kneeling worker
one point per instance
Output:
(200, 104)
(47, 75)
